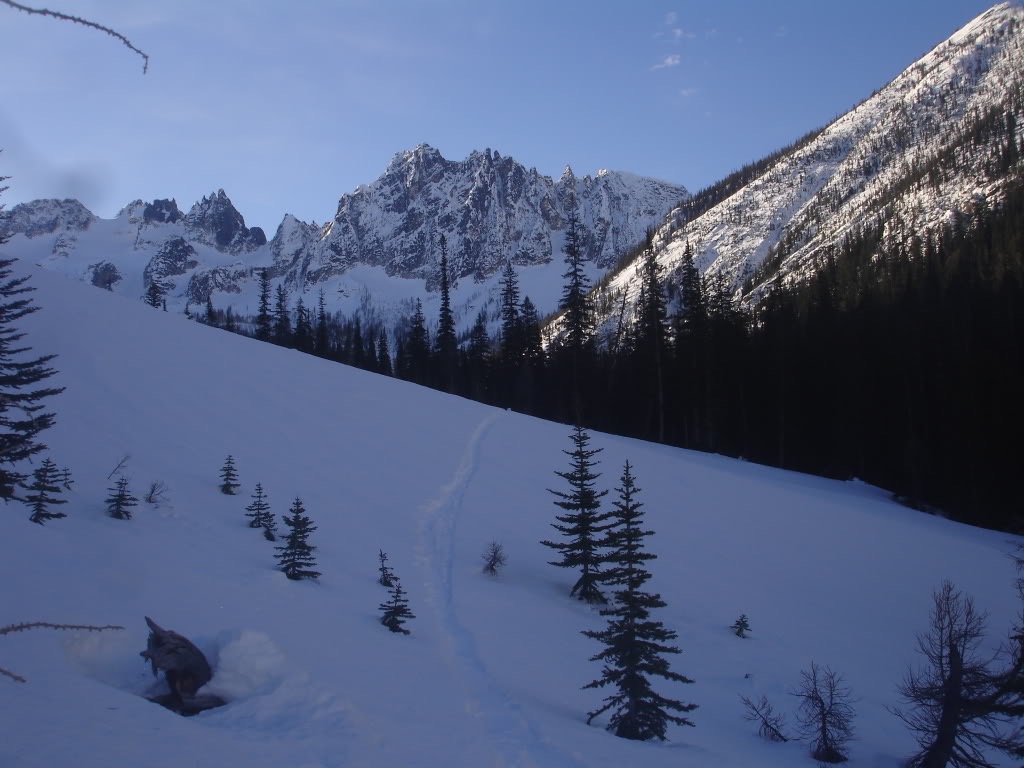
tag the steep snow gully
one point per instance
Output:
(501, 723)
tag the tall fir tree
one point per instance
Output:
(511, 345)
(395, 612)
(575, 303)
(575, 349)
(635, 644)
(417, 346)
(211, 312)
(295, 556)
(43, 492)
(229, 477)
(259, 514)
(582, 524)
(322, 340)
(282, 317)
(446, 345)
(120, 501)
(302, 337)
(384, 365)
(22, 414)
(651, 336)
(478, 359)
(264, 320)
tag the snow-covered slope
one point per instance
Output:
(492, 672)
(489, 208)
(920, 152)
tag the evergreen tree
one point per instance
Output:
(260, 516)
(295, 557)
(302, 339)
(510, 339)
(575, 304)
(651, 341)
(211, 313)
(446, 346)
(395, 612)
(120, 501)
(154, 295)
(229, 477)
(229, 322)
(741, 626)
(635, 644)
(418, 346)
(533, 344)
(358, 353)
(582, 524)
(575, 352)
(478, 359)
(45, 484)
(384, 354)
(387, 576)
(22, 417)
(322, 341)
(282, 318)
(264, 321)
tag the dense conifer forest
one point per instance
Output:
(898, 365)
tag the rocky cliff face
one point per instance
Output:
(489, 208)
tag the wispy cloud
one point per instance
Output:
(669, 61)
(687, 92)
(671, 18)
(782, 31)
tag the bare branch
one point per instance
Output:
(44, 625)
(14, 677)
(83, 22)
(771, 723)
(10, 628)
(127, 456)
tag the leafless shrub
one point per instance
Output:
(494, 558)
(825, 713)
(157, 493)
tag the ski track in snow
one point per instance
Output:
(506, 728)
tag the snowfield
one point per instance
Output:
(492, 672)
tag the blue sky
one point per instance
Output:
(288, 105)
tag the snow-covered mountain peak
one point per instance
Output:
(905, 160)
(215, 221)
(41, 217)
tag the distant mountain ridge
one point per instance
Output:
(489, 208)
(940, 140)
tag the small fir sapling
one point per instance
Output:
(43, 493)
(395, 612)
(741, 626)
(494, 558)
(229, 477)
(120, 501)
(66, 479)
(295, 556)
(387, 576)
(260, 516)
